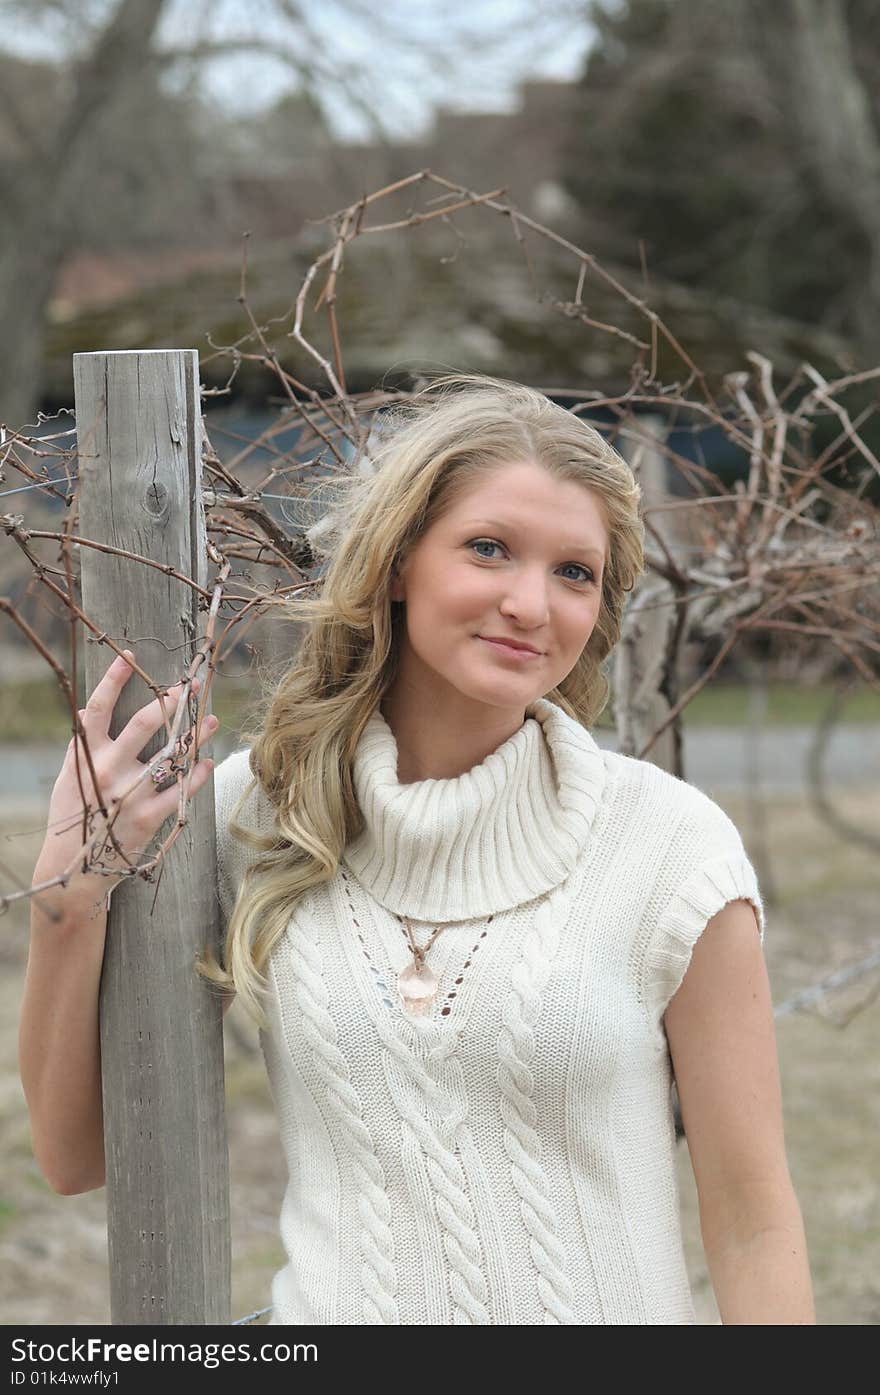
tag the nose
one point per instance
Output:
(526, 599)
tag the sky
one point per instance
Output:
(398, 58)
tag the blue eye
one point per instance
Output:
(483, 542)
(489, 542)
(588, 575)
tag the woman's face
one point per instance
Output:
(518, 556)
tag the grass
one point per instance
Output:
(788, 704)
(34, 710)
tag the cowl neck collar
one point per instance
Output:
(499, 835)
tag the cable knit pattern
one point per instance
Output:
(377, 1242)
(509, 1158)
(435, 1121)
(516, 1049)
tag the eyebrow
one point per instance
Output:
(498, 526)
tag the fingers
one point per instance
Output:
(163, 805)
(124, 751)
(153, 717)
(98, 711)
(178, 758)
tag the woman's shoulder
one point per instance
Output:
(647, 788)
(233, 772)
(233, 778)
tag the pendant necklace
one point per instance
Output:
(417, 984)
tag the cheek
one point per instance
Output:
(581, 622)
(452, 594)
(441, 604)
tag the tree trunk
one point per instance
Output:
(27, 275)
(37, 222)
(839, 138)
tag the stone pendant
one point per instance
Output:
(417, 989)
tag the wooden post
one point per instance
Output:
(137, 416)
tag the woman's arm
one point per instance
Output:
(59, 1042)
(722, 1040)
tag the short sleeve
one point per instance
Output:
(231, 777)
(721, 873)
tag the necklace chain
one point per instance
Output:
(417, 985)
(420, 952)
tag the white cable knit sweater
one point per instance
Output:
(509, 1158)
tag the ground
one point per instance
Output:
(822, 895)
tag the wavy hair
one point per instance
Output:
(432, 447)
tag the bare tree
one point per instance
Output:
(37, 210)
(50, 158)
(840, 136)
(736, 147)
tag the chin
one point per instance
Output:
(516, 690)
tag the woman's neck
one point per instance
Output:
(435, 743)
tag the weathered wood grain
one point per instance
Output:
(161, 1029)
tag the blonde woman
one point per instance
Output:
(479, 947)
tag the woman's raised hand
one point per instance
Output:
(116, 764)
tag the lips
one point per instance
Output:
(510, 644)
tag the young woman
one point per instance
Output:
(478, 946)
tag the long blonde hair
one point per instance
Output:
(302, 745)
